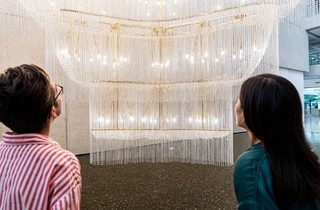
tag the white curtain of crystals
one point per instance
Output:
(161, 74)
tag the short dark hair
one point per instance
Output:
(273, 113)
(26, 98)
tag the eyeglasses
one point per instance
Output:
(59, 93)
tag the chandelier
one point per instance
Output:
(162, 74)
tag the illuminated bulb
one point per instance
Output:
(121, 58)
(104, 57)
(223, 53)
(215, 121)
(64, 52)
(152, 65)
(234, 56)
(175, 1)
(131, 118)
(217, 60)
(98, 56)
(146, 2)
(174, 13)
(187, 56)
(240, 57)
(103, 12)
(52, 3)
(254, 48)
(190, 119)
(204, 120)
(118, 63)
(191, 59)
(155, 121)
(79, 59)
(206, 54)
(218, 7)
(151, 120)
(107, 121)
(156, 63)
(174, 120)
(104, 63)
(241, 52)
(161, 64)
(164, 2)
(158, 3)
(144, 119)
(148, 14)
(100, 119)
(126, 59)
(171, 148)
(91, 60)
(167, 120)
(202, 60)
(121, 120)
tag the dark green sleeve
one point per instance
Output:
(250, 205)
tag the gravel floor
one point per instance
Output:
(158, 185)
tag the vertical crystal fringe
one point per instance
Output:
(160, 76)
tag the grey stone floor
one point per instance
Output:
(169, 185)
(160, 185)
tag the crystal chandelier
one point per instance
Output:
(161, 74)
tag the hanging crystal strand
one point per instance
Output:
(159, 71)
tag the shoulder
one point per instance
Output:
(67, 158)
(252, 159)
(252, 176)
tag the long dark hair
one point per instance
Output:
(273, 113)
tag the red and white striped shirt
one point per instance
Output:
(36, 173)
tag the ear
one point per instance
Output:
(53, 112)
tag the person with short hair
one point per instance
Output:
(280, 170)
(35, 172)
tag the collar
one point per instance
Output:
(10, 138)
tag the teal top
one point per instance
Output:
(253, 182)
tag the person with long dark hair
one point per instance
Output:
(280, 170)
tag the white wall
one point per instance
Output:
(71, 128)
(293, 48)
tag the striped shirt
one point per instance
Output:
(36, 173)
